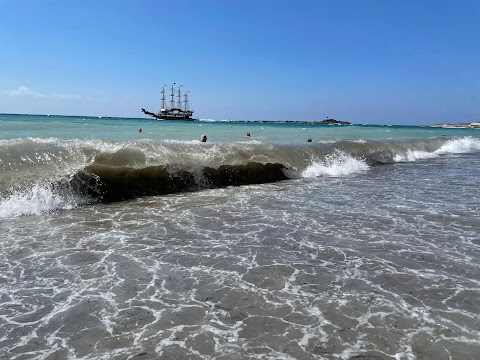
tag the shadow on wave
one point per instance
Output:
(109, 184)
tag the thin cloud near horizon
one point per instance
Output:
(26, 91)
(21, 91)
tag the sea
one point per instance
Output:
(121, 244)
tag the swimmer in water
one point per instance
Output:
(203, 138)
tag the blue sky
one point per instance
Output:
(369, 61)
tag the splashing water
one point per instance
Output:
(336, 164)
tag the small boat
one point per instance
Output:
(178, 110)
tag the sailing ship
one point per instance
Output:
(178, 110)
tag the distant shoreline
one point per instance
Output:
(327, 121)
(472, 125)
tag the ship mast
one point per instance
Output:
(185, 102)
(163, 98)
(179, 96)
(172, 102)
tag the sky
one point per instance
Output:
(363, 61)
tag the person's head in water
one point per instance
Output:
(248, 135)
(203, 138)
(309, 140)
(139, 130)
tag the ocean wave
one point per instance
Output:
(413, 155)
(40, 198)
(457, 146)
(40, 175)
(109, 184)
(336, 164)
(451, 146)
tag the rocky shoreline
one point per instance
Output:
(464, 125)
(326, 121)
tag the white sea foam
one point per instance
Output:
(457, 146)
(454, 146)
(336, 164)
(36, 200)
(211, 120)
(413, 155)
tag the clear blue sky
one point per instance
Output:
(369, 61)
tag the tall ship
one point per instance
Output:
(178, 110)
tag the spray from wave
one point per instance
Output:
(413, 155)
(458, 146)
(452, 146)
(337, 164)
(40, 198)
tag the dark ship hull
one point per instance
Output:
(179, 115)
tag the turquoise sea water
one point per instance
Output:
(120, 244)
(122, 129)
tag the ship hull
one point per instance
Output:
(163, 117)
(160, 116)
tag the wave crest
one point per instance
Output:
(457, 146)
(336, 164)
(41, 175)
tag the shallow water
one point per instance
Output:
(267, 271)
(347, 261)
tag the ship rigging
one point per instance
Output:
(178, 110)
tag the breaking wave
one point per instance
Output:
(41, 175)
(336, 164)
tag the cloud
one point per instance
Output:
(21, 91)
(25, 91)
(64, 96)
